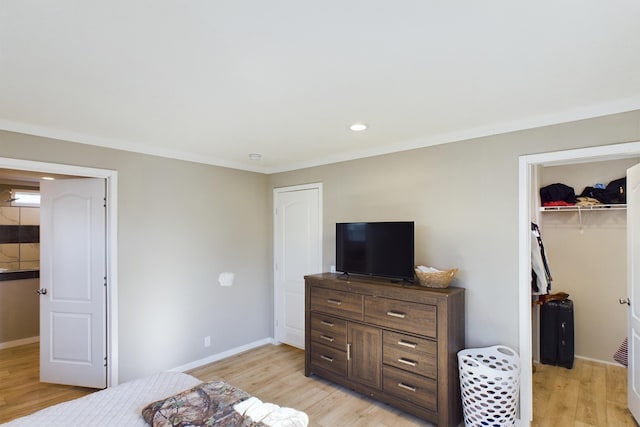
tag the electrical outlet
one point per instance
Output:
(332, 269)
(207, 341)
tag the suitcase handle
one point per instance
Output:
(563, 328)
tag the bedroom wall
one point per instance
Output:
(180, 224)
(172, 245)
(588, 259)
(464, 199)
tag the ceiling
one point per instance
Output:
(213, 81)
(28, 178)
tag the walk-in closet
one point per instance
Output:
(587, 257)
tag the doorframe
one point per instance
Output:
(111, 178)
(526, 172)
(276, 192)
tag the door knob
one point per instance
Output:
(43, 291)
(621, 301)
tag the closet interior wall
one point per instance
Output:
(587, 256)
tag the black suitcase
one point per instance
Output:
(556, 333)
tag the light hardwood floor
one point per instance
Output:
(276, 374)
(590, 394)
(21, 391)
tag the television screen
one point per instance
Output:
(383, 249)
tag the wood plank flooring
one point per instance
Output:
(276, 374)
(21, 391)
(590, 394)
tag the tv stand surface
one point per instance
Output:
(389, 341)
(380, 279)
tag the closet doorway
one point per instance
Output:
(297, 237)
(528, 204)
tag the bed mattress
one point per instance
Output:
(116, 406)
(167, 398)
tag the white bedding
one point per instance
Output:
(122, 406)
(115, 406)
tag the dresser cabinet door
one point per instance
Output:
(364, 354)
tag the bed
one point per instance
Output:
(166, 399)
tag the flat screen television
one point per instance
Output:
(384, 249)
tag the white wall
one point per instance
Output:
(180, 225)
(588, 259)
(464, 199)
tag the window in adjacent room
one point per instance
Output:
(28, 198)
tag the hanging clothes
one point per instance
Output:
(540, 274)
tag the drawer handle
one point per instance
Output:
(348, 351)
(407, 361)
(326, 323)
(326, 338)
(334, 301)
(396, 314)
(407, 344)
(327, 358)
(407, 387)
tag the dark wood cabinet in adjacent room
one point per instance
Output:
(393, 342)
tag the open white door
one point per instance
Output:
(297, 252)
(73, 341)
(633, 267)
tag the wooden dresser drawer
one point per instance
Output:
(402, 315)
(340, 303)
(328, 358)
(416, 355)
(414, 388)
(329, 330)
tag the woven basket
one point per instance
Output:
(437, 279)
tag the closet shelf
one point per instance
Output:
(580, 209)
(615, 207)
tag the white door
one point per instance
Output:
(297, 252)
(72, 280)
(633, 267)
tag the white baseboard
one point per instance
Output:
(17, 343)
(605, 362)
(223, 355)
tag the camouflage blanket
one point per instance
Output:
(208, 404)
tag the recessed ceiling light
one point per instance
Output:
(48, 178)
(357, 127)
(255, 156)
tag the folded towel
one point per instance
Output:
(427, 269)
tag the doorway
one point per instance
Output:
(297, 252)
(111, 241)
(527, 167)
